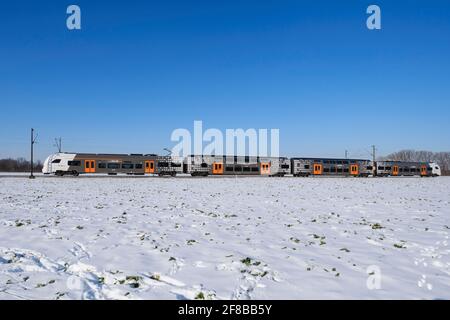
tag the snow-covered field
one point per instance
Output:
(257, 238)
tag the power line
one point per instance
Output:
(58, 144)
(169, 152)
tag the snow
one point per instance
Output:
(224, 238)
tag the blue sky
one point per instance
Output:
(139, 69)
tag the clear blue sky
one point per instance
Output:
(139, 69)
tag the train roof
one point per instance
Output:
(403, 162)
(230, 156)
(111, 154)
(326, 159)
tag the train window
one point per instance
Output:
(255, 169)
(127, 166)
(284, 166)
(333, 169)
(246, 169)
(204, 165)
(138, 166)
(113, 165)
(388, 168)
(380, 168)
(152, 165)
(339, 170)
(87, 164)
(229, 169)
(406, 170)
(56, 161)
(175, 164)
(369, 168)
(306, 166)
(325, 170)
(75, 163)
(345, 169)
(247, 159)
(101, 165)
(237, 168)
(163, 164)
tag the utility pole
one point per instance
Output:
(374, 158)
(374, 149)
(346, 154)
(33, 141)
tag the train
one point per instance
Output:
(74, 164)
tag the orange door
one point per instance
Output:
(395, 171)
(318, 169)
(89, 166)
(423, 170)
(265, 168)
(150, 166)
(354, 170)
(217, 168)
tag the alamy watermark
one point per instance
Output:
(374, 20)
(73, 21)
(251, 142)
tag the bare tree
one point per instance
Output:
(18, 165)
(441, 158)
